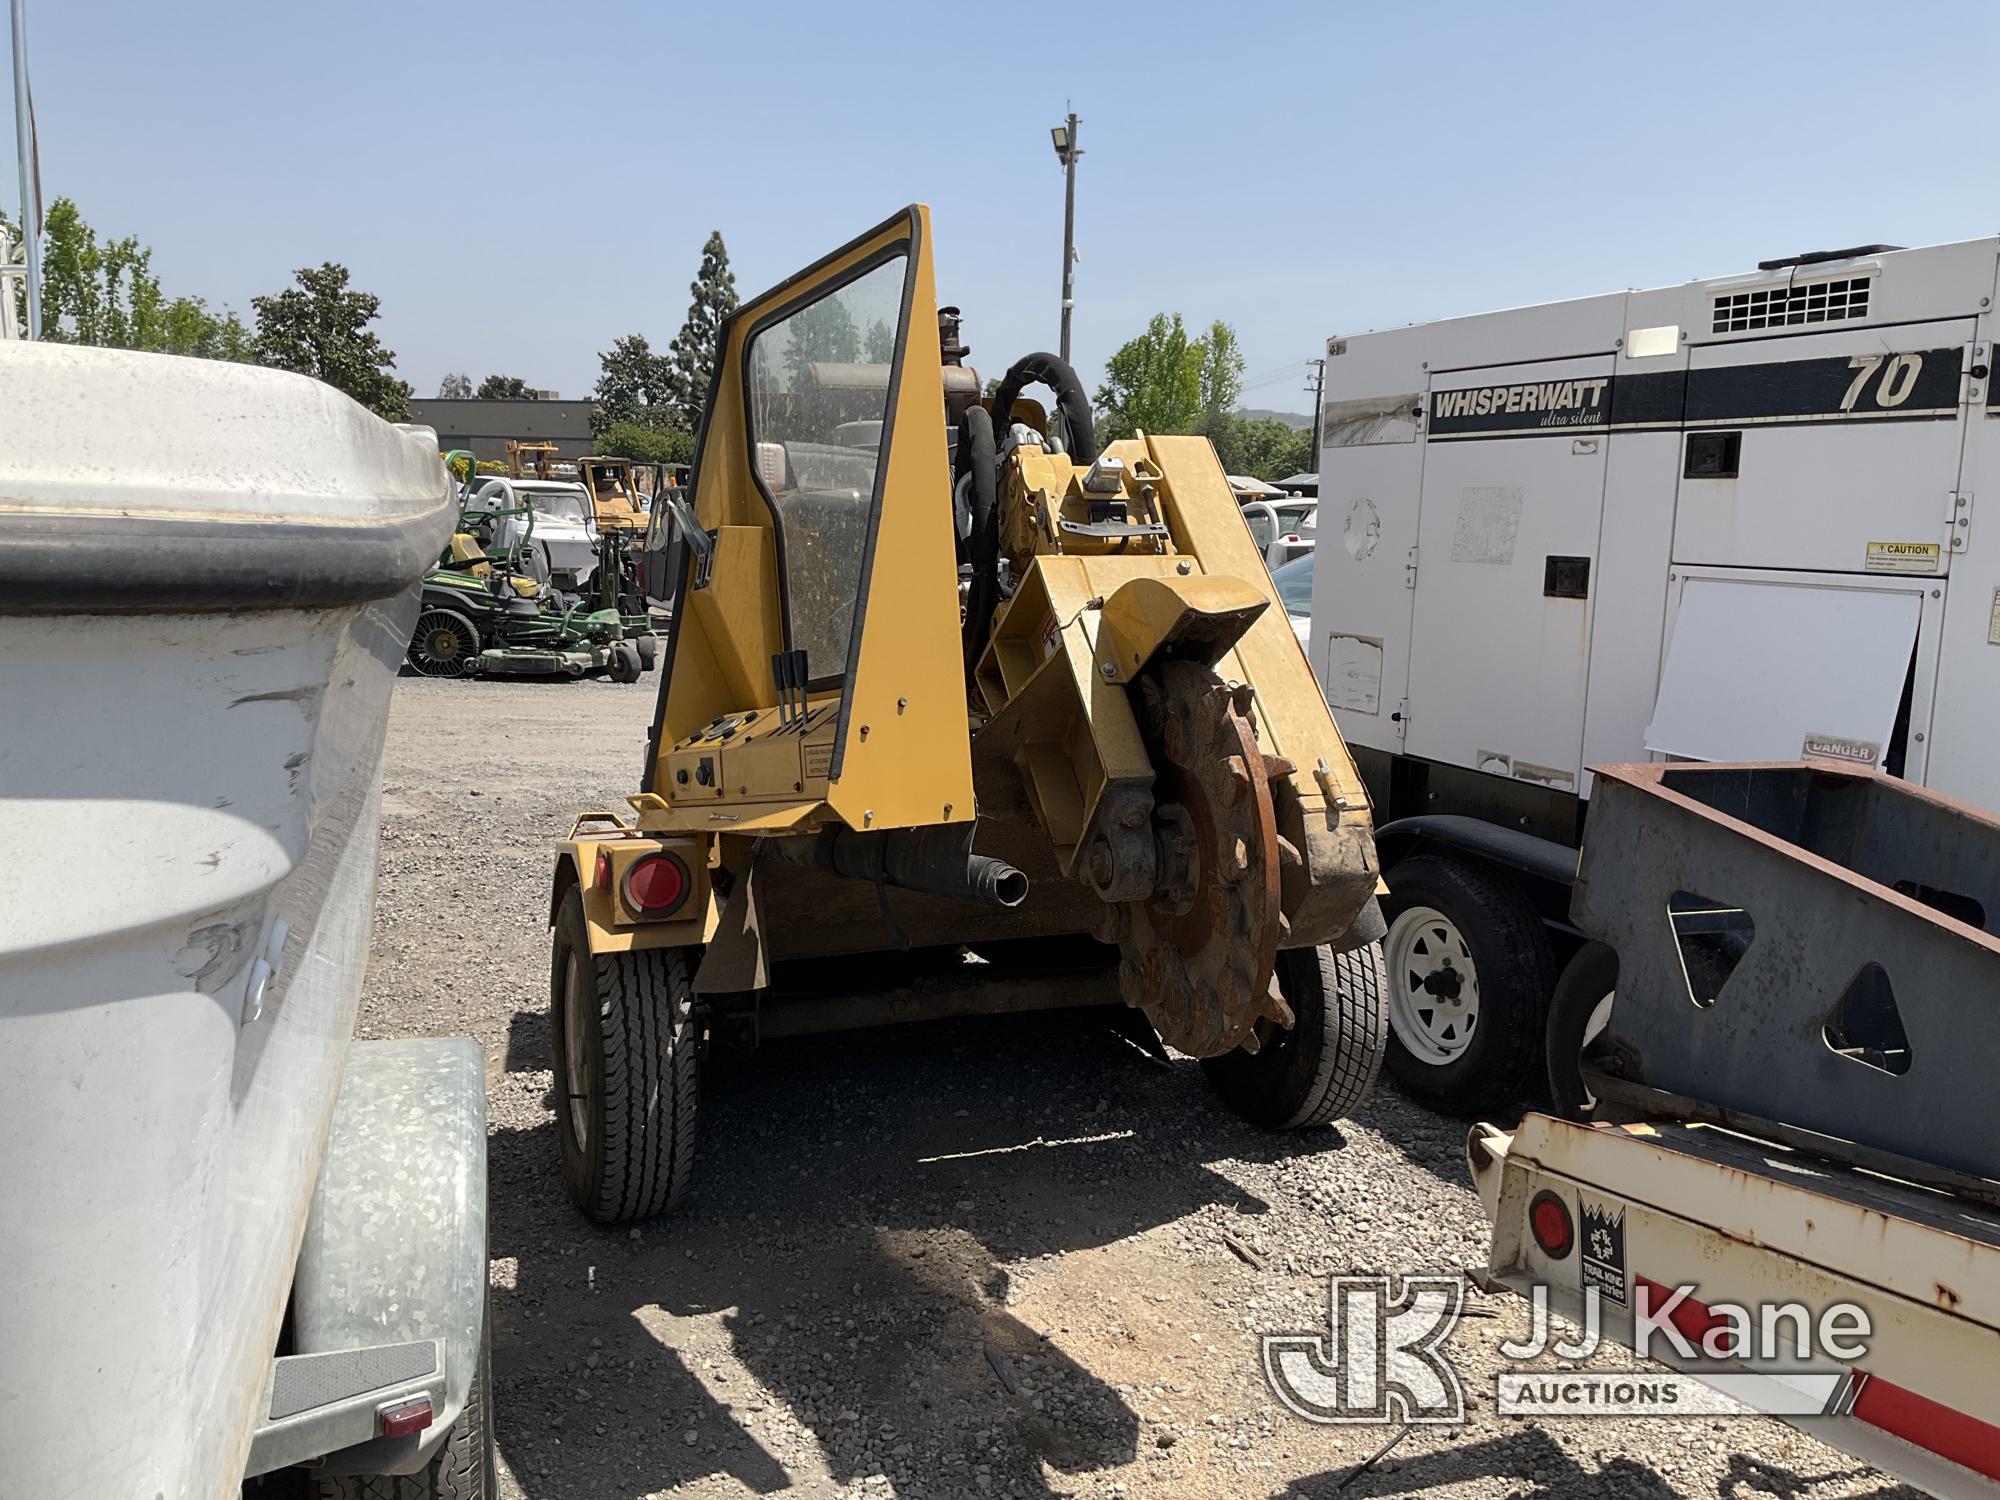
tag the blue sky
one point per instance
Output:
(522, 183)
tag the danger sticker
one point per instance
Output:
(1903, 557)
(819, 759)
(1836, 747)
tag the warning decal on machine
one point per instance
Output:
(1603, 1250)
(1837, 747)
(1993, 622)
(819, 759)
(1903, 557)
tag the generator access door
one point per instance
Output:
(1830, 452)
(1513, 491)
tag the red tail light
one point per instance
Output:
(656, 885)
(406, 1417)
(1549, 1222)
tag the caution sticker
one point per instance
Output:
(1903, 557)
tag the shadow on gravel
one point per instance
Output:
(1546, 1471)
(856, 1203)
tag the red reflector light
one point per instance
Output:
(603, 880)
(406, 1417)
(656, 884)
(1549, 1222)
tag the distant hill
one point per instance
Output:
(1299, 420)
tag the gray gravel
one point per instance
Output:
(974, 1258)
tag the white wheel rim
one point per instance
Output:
(1433, 986)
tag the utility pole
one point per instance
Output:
(1064, 137)
(1318, 387)
(31, 187)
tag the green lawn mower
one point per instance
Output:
(488, 611)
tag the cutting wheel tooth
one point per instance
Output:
(1276, 1007)
(1284, 928)
(1242, 696)
(1237, 864)
(1238, 782)
(1276, 766)
(1289, 857)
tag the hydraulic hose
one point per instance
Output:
(976, 456)
(1053, 372)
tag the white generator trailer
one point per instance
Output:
(1732, 520)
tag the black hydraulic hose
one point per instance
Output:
(976, 456)
(1053, 372)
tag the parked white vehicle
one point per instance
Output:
(1283, 529)
(564, 534)
(1728, 520)
(208, 572)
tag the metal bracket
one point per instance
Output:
(701, 541)
(1401, 719)
(1410, 570)
(1958, 520)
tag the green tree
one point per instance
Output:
(1153, 383)
(320, 328)
(504, 388)
(104, 293)
(1263, 447)
(456, 387)
(879, 347)
(692, 356)
(634, 385)
(645, 444)
(1221, 376)
(823, 333)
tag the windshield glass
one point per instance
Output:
(1293, 518)
(558, 505)
(1295, 585)
(818, 395)
(1262, 532)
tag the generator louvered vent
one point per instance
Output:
(1802, 302)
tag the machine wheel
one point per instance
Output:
(462, 1468)
(1323, 1067)
(626, 663)
(649, 651)
(1469, 970)
(1579, 1010)
(627, 1066)
(444, 644)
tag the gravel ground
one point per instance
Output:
(973, 1258)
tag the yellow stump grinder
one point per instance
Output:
(959, 713)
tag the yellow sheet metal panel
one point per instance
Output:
(904, 755)
(1148, 615)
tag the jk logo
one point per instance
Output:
(1380, 1359)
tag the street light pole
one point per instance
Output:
(31, 197)
(1066, 148)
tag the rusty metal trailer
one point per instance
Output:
(1776, 1056)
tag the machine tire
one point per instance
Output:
(1588, 979)
(628, 1134)
(436, 623)
(1513, 969)
(649, 651)
(626, 663)
(463, 1467)
(1322, 1068)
